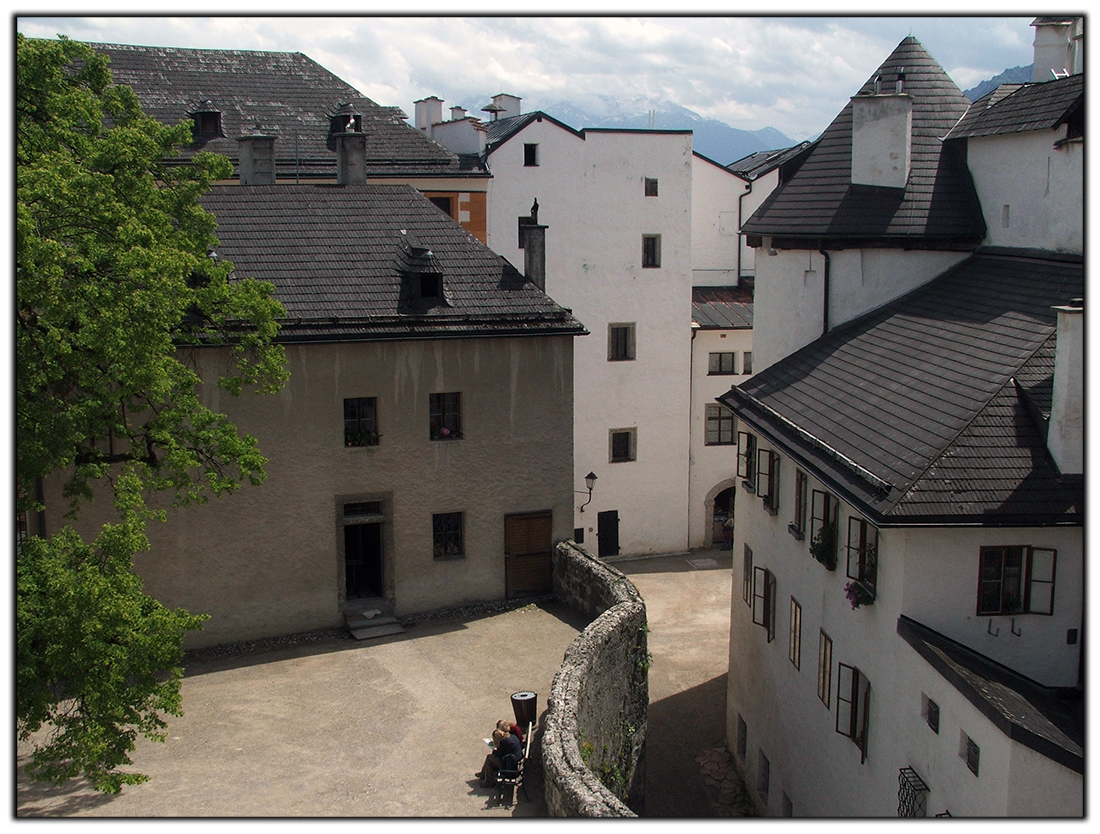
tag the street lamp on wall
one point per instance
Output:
(589, 481)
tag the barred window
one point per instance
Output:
(447, 539)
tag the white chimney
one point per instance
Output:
(882, 129)
(257, 158)
(509, 103)
(428, 112)
(1065, 432)
(1057, 49)
(458, 113)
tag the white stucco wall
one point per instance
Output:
(715, 223)
(267, 560)
(789, 294)
(591, 197)
(810, 762)
(758, 192)
(1041, 186)
(712, 467)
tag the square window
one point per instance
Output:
(650, 187)
(445, 417)
(720, 422)
(361, 421)
(651, 251)
(622, 442)
(969, 752)
(444, 204)
(531, 155)
(447, 536)
(620, 342)
(723, 364)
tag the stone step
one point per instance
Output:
(379, 630)
(368, 617)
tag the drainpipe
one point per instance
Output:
(825, 299)
(740, 222)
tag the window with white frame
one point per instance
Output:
(767, 479)
(853, 694)
(763, 600)
(1016, 580)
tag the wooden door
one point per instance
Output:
(528, 540)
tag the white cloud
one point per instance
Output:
(791, 73)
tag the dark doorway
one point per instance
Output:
(363, 560)
(528, 540)
(723, 510)
(607, 531)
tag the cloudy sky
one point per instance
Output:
(790, 73)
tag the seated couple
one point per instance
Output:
(508, 738)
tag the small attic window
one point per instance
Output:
(207, 121)
(431, 287)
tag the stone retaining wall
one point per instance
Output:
(593, 742)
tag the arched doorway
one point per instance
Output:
(719, 507)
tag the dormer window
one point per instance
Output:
(345, 119)
(207, 122)
(422, 285)
(431, 287)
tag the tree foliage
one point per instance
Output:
(115, 284)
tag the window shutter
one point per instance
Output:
(1040, 584)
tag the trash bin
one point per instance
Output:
(525, 706)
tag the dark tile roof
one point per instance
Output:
(500, 131)
(755, 165)
(336, 255)
(819, 202)
(287, 94)
(910, 411)
(1051, 722)
(721, 308)
(1015, 108)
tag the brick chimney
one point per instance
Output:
(882, 129)
(351, 158)
(1065, 431)
(257, 155)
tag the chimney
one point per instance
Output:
(1065, 431)
(257, 155)
(533, 242)
(458, 113)
(509, 105)
(351, 158)
(882, 129)
(427, 112)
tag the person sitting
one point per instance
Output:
(510, 743)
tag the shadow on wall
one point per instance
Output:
(594, 738)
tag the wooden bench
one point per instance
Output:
(512, 777)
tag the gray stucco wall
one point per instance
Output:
(599, 701)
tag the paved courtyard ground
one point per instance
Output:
(393, 727)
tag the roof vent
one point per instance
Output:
(899, 85)
(345, 119)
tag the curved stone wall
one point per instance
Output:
(593, 742)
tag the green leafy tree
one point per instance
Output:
(115, 285)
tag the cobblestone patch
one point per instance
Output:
(725, 790)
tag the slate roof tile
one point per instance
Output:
(1016, 108)
(287, 94)
(335, 256)
(921, 395)
(818, 201)
(723, 308)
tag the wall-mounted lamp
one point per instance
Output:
(589, 481)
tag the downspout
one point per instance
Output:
(825, 299)
(691, 416)
(740, 223)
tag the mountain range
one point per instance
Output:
(714, 139)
